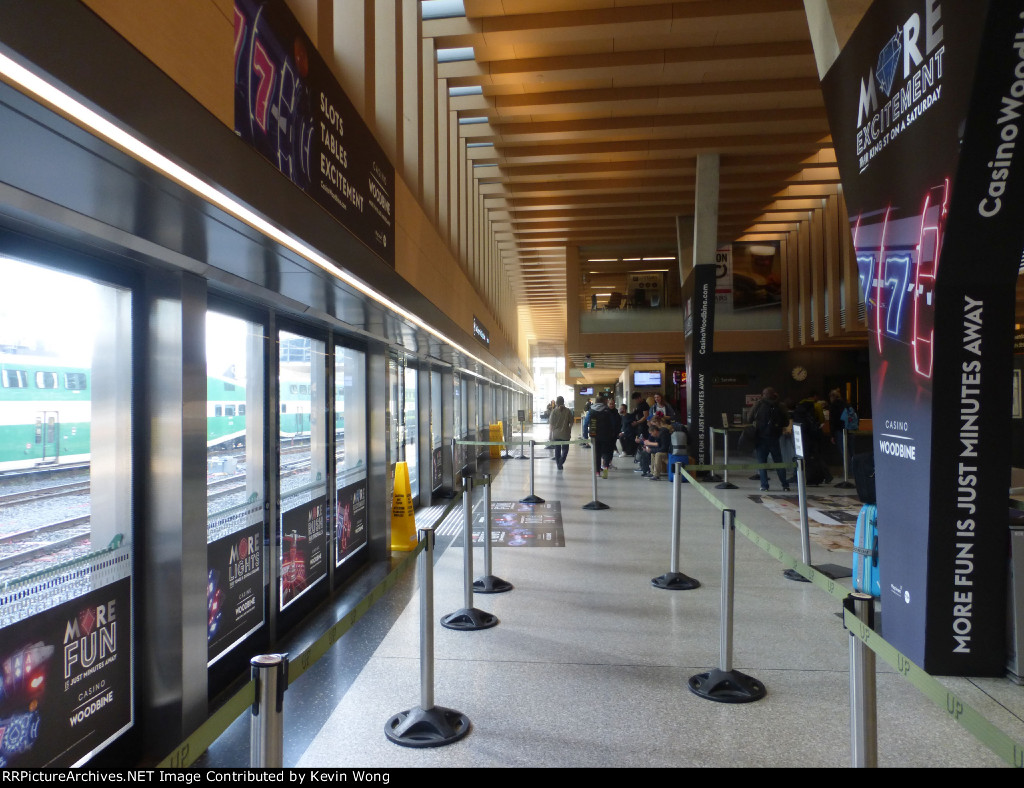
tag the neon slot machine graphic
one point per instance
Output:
(897, 262)
(293, 568)
(272, 103)
(22, 687)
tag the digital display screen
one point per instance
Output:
(646, 378)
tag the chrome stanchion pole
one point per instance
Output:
(724, 684)
(712, 476)
(846, 483)
(595, 503)
(266, 729)
(726, 484)
(805, 530)
(674, 580)
(522, 438)
(426, 725)
(863, 710)
(468, 617)
(532, 498)
(489, 584)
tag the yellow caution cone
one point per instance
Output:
(403, 518)
(495, 435)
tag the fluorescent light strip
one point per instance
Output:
(96, 123)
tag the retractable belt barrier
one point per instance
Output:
(968, 718)
(186, 753)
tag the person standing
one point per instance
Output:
(770, 419)
(585, 431)
(560, 429)
(604, 429)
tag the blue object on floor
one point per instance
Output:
(672, 460)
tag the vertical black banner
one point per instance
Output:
(699, 332)
(925, 106)
(67, 679)
(290, 108)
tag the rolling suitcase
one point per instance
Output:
(865, 551)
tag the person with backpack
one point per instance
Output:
(770, 419)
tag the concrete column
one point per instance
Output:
(684, 245)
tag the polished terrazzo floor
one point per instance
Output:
(589, 664)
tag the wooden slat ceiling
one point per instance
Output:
(597, 109)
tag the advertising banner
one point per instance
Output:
(699, 332)
(304, 548)
(925, 106)
(351, 533)
(67, 680)
(290, 108)
(522, 525)
(436, 468)
(234, 588)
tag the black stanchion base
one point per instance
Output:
(489, 584)
(532, 499)
(845, 485)
(726, 486)
(427, 727)
(792, 574)
(675, 581)
(713, 477)
(727, 686)
(833, 571)
(469, 618)
(596, 505)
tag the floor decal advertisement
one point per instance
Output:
(925, 105)
(304, 548)
(66, 679)
(290, 108)
(832, 519)
(516, 524)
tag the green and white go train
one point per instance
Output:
(46, 405)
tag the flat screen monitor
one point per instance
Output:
(586, 391)
(646, 378)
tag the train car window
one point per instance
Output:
(15, 379)
(236, 481)
(75, 381)
(46, 380)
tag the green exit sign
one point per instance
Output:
(588, 364)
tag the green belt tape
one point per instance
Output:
(972, 721)
(578, 441)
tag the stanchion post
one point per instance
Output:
(674, 580)
(468, 617)
(863, 708)
(595, 503)
(726, 484)
(712, 476)
(726, 685)
(522, 438)
(266, 729)
(532, 497)
(489, 583)
(426, 725)
(846, 483)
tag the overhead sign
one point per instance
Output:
(480, 331)
(290, 108)
(925, 105)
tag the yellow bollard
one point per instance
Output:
(403, 518)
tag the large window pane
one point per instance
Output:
(411, 430)
(236, 494)
(349, 452)
(302, 401)
(66, 523)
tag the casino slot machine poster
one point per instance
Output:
(303, 548)
(234, 589)
(290, 108)
(66, 680)
(924, 106)
(351, 533)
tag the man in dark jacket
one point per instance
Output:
(560, 429)
(770, 419)
(604, 429)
